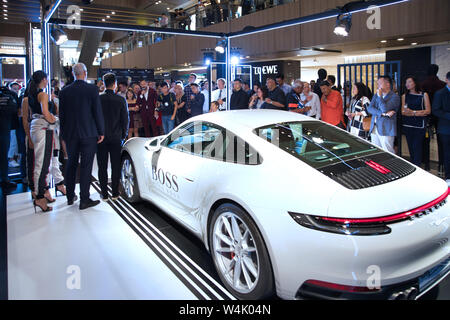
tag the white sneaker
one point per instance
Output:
(13, 164)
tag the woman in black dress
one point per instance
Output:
(415, 109)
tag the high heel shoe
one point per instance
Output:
(48, 197)
(44, 209)
(61, 189)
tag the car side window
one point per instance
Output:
(211, 141)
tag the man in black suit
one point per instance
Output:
(197, 100)
(82, 128)
(115, 113)
(239, 98)
(441, 110)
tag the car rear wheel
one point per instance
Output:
(239, 253)
(129, 188)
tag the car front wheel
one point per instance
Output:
(239, 253)
(129, 188)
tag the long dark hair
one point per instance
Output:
(133, 97)
(33, 83)
(265, 91)
(362, 91)
(416, 83)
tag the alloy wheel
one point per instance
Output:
(235, 252)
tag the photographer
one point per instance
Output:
(166, 104)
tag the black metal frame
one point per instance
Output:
(27, 61)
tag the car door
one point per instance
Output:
(177, 169)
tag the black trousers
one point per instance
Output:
(445, 139)
(5, 139)
(111, 149)
(415, 138)
(85, 150)
(30, 165)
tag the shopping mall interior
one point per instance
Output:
(349, 202)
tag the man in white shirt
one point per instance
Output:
(310, 99)
(123, 87)
(220, 94)
(205, 92)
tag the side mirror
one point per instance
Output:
(154, 145)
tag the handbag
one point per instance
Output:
(367, 121)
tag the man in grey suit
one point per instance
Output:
(383, 108)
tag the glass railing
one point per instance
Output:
(204, 14)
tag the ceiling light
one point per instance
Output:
(221, 45)
(103, 20)
(113, 12)
(58, 35)
(5, 6)
(234, 60)
(400, 39)
(414, 44)
(108, 17)
(383, 41)
(4, 10)
(5, 18)
(343, 24)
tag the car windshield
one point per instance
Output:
(316, 143)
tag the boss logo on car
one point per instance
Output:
(165, 178)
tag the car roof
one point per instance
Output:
(250, 119)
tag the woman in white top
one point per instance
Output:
(357, 110)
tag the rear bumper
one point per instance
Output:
(299, 254)
(409, 290)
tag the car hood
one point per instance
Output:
(394, 197)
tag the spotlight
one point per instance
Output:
(221, 45)
(234, 60)
(343, 24)
(58, 35)
(208, 57)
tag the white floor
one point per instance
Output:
(114, 263)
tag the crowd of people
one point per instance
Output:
(212, 12)
(82, 120)
(373, 116)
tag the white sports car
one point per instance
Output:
(290, 205)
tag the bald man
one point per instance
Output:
(82, 127)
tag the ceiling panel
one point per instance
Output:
(20, 10)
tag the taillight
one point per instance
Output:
(319, 223)
(365, 226)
